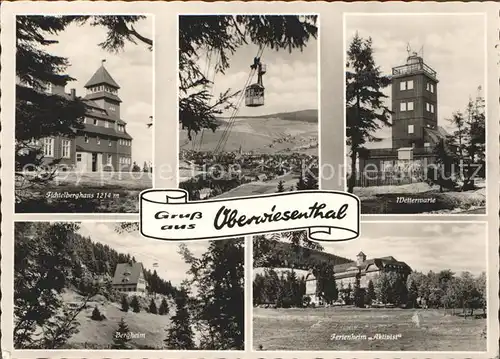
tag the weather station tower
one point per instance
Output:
(414, 103)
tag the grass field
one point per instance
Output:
(148, 330)
(312, 329)
(106, 192)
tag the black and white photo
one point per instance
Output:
(100, 285)
(248, 104)
(401, 286)
(416, 112)
(84, 108)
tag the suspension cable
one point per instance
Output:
(225, 135)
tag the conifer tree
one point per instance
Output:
(348, 293)
(163, 310)
(96, 314)
(301, 183)
(383, 288)
(311, 180)
(136, 307)
(365, 109)
(41, 269)
(122, 336)
(370, 292)
(358, 293)
(412, 292)
(218, 276)
(125, 305)
(152, 307)
(281, 187)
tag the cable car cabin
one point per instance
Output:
(254, 95)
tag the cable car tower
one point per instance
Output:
(254, 93)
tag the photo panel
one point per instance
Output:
(424, 290)
(84, 112)
(101, 286)
(248, 104)
(416, 112)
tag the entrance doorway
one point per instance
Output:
(94, 162)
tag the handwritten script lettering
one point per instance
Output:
(166, 215)
(227, 217)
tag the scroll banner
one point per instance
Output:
(327, 215)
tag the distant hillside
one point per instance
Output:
(280, 132)
(304, 116)
(283, 254)
(100, 259)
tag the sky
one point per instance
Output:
(131, 68)
(171, 265)
(291, 81)
(423, 246)
(453, 45)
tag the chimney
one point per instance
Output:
(73, 94)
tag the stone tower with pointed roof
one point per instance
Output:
(103, 90)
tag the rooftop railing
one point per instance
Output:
(413, 68)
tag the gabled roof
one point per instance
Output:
(437, 134)
(379, 262)
(101, 77)
(99, 130)
(98, 95)
(126, 273)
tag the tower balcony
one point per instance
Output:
(414, 68)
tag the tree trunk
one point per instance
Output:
(352, 179)
(354, 151)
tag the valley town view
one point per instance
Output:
(247, 140)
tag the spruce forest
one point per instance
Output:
(64, 297)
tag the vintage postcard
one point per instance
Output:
(84, 108)
(256, 179)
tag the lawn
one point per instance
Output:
(106, 192)
(384, 200)
(312, 329)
